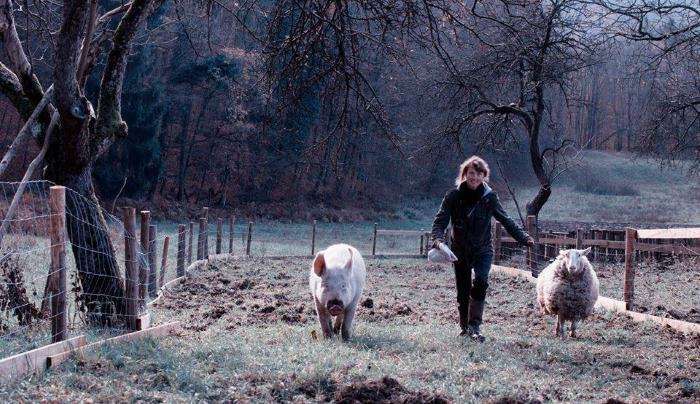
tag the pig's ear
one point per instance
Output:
(586, 251)
(563, 253)
(348, 265)
(319, 264)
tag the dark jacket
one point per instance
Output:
(471, 222)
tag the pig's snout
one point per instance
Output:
(335, 307)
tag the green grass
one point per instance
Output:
(664, 197)
(245, 353)
(652, 195)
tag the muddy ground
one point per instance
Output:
(249, 334)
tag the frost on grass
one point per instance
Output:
(248, 337)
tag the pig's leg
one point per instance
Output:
(572, 334)
(338, 323)
(324, 318)
(347, 321)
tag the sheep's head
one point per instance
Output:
(575, 261)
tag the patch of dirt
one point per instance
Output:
(691, 315)
(614, 401)
(514, 400)
(386, 391)
(323, 388)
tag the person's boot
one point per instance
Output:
(463, 322)
(476, 311)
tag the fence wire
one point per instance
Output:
(25, 317)
(94, 266)
(96, 261)
(665, 283)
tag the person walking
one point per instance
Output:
(470, 207)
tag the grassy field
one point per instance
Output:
(666, 289)
(412, 323)
(613, 187)
(247, 336)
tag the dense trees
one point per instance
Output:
(669, 31)
(73, 132)
(289, 103)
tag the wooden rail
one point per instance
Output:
(422, 236)
(615, 305)
(669, 234)
(647, 247)
(388, 232)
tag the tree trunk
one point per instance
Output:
(102, 291)
(535, 205)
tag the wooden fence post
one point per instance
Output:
(59, 312)
(313, 238)
(189, 246)
(200, 239)
(143, 259)
(250, 234)
(181, 234)
(219, 234)
(618, 255)
(131, 268)
(497, 242)
(628, 281)
(579, 239)
(374, 240)
(164, 261)
(152, 259)
(531, 251)
(606, 257)
(422, 236)
(231, 222)
(594, 236)
(205, 214)
(427, 243)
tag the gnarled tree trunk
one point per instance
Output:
(102, 290)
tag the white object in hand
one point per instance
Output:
(441, 255)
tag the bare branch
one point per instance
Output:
(83, 62)
(29, 128)
(27, 176)
(109, 121)
(111, 13)
(12, 88)
(71, 103)
(20, 66)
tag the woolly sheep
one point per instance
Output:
(568, 289)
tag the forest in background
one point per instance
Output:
(208, 127)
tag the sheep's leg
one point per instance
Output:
(572, 333)
(559, 332)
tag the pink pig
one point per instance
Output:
(336, 280)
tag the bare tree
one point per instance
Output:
(503, 64)
(334, 48)
(671, 29)
(82, 133)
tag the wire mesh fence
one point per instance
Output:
(114, 265)
(665, 273)
(62, 268)
(24, 268)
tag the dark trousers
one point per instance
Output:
(476, 290)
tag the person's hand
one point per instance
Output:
(530, 241)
